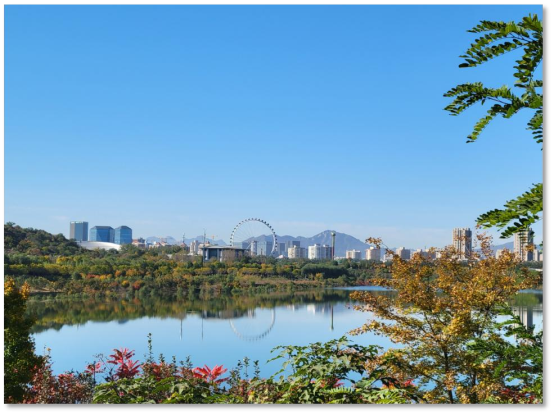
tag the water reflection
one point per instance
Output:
(54, 313)
(255, 337)
(528, 306)
(213, 331)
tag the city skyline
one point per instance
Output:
(462, 240)
(444, 234)
(244, 112)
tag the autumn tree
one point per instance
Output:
(496, 39)
(441, 306)
(20, 360)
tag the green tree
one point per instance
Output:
(20, 360)
(496, 39)
(517, 355)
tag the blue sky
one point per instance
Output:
(173, 119)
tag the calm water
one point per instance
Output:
(212, 331)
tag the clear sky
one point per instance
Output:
(172, 119)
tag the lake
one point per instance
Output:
(212, 331)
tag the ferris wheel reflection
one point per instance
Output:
(254, 337)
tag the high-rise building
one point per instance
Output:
(403, 253)
(102, 234)
(373, 254)
(281, 249)
(290, 244)
(333, 244)
(123, 235)
(523, 245)
(318, 251)
(353, 254)
(78, 231)
(297, 252)
(194, 247)
(461, 239)
(264, 248)
(254, 248)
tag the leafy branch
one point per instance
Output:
(500, 38)
(497, 39)
(523, 211)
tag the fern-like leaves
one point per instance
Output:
(497, 39)
(518, 215)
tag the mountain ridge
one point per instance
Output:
(343, 242)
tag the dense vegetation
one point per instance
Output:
(51, 263)
(334, 372)
(36, 242)
(20, 360)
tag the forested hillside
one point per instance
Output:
(36, 242)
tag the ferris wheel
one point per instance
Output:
(256, 236)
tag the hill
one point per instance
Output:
(36, 242)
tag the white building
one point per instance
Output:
(353, 254)
(523, 245)
(297, 252)
(461, 239)
(194, 247)
(318, 251)
(373, 253)
(92, 245)
(403, 253)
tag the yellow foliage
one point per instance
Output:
(438, 306)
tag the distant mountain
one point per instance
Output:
(170, 240)
(343, 242)
(200, 239)
(508, 245)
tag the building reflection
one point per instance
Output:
(530, 315)
(54, 313)
(528, 307)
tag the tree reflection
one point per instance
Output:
(54, 312)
